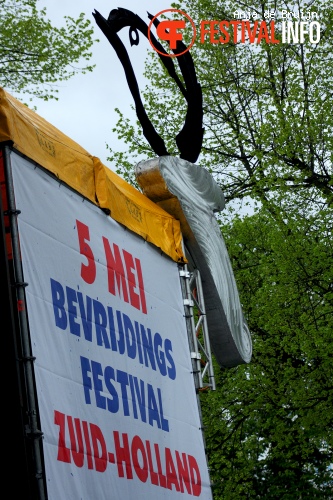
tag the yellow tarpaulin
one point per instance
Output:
(37, 139)
(137, 212)
(46, 145)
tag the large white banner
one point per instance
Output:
(113, 372)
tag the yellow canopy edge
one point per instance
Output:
(46, 145)
(37, 139)
(137, 212)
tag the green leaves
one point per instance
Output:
(267, 108)
(269, 426)
(34, 55)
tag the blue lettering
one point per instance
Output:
(121, 340)
(122, 378)
(165, 423)
(113, 404)
(138, 341)
(148, 350)
(135, 411)
(152, 407)
(160, 358)
(172, 367)
(140, 396)
(97, 372)
(129, 337)
(86, 315)
(112, 330)
(74, 327)
(87, 385)
(100, 324)
(58, 301)
(118, 332)
(96, 379)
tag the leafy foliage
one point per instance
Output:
(34, 55)
(269, 426)
(267, 110)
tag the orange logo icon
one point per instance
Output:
(171, 30)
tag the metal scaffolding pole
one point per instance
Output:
(32, 430)
(196, 322)
(198, 338)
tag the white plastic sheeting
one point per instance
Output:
(190, 193)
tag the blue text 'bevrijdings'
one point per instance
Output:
(88, 317)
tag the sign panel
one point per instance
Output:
(113, 372)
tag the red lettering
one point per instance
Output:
(170, 470)
(76, 441)
(138, 446)
(115, 270)
(208, 27)
(273, 40)
(243, 33)
(153, 474)
(203, 30)
(183, 473)
(195, 476)
(179, 469)
(88, 271)
(263, 33)
(129, 262)
(141, 286)
(223, 25)
(99, 445)
(123, 455)
(94, 437)
(252, 34)
(213, 32)
(88, 445)
(235, 24)
(63, 451)
(161, 476)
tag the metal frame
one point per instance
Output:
(198, 338)
(197, 329)
(32, 430)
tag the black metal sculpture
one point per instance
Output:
(189, 139)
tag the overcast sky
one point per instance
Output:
(85, 109)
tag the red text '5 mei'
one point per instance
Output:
(124, 271)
